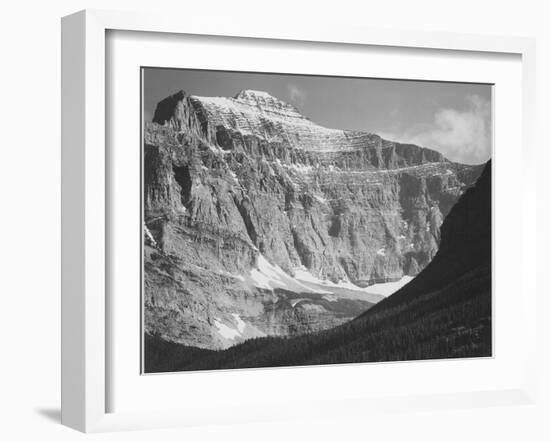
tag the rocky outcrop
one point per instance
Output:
(256, 215)
(465, 246)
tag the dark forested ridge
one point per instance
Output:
(445, 312)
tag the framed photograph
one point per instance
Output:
(271, 240)
(264, 222)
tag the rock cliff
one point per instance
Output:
(445, 312)
(257, 221)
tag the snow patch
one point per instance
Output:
(387, 288)
(230, 275)
(383, 289)
(302, 168)
(225, 331)
(253, 93)
(234, 276)
(381, 252)
(149, 235)
(241, 325)
(302, 274)
(269, 276)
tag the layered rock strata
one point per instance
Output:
(257, 221)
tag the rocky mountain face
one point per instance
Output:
(260, 222)
(445, 312)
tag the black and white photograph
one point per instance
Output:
(298, 220)
(233, 221)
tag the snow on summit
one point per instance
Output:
(259, 114)
(247, 94)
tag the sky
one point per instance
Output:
(452, 118)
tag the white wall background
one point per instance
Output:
(30, 220)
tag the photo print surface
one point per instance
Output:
(294, 220)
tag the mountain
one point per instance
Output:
(260, 222)
(445, 312)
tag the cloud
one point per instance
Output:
(296, 95)
(460, 135)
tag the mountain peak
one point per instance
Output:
(262, 99)
(251, 94)
(264, 116)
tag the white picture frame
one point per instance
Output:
(85, 304)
